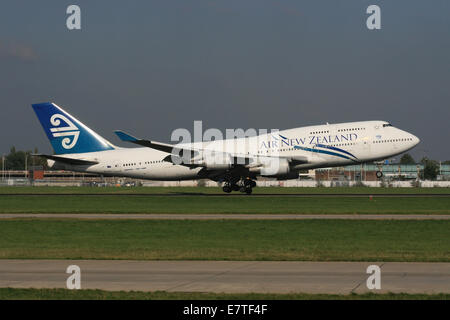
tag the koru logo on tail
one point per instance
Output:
(70, 130)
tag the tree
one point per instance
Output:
(430, 170)
(16, 160)
(446, 162)
(407, 159)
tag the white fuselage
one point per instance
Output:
(322, 145)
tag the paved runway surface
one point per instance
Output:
(199, 194)
(231, 216)
(228, 276)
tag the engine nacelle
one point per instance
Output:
(271, 167)
(213, 160)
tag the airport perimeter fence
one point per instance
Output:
(203, 183)
(332, 177)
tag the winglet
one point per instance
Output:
(164, 147)
(125, 136)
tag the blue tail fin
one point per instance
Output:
(66, 133)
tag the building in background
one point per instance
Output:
(367, 172)
(393, 174)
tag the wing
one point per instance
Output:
(196, 157)
(191, 157)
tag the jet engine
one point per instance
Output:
(270, 167)
(213, 160)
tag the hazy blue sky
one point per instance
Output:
(149, 67)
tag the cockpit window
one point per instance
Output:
(387, 125)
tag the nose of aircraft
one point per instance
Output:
(416, 140)
(413, 140)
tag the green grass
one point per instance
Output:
(307, 240)
(223, 204)
(64, 294)
(217, 190)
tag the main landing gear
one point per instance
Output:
(243, 185)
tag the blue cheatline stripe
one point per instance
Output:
(323, 151)
(337, 149)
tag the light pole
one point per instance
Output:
(26, 165)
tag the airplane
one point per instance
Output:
(235, 163)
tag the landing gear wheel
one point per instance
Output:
(249, 183)
(246, 189)
(379, 174)
(227, 189)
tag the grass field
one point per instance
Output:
(295, 240)
(192, 200)
(64, 294)
(223, 204)
(214, 190)
(310, 240)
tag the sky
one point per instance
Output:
(149, 67)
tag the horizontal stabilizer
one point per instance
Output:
(65, 160)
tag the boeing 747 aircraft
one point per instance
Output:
(235, 162)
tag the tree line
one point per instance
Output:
(18, 160)
(430, 167)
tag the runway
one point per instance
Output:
(199, 194)
(219, 216)
(228, 276)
